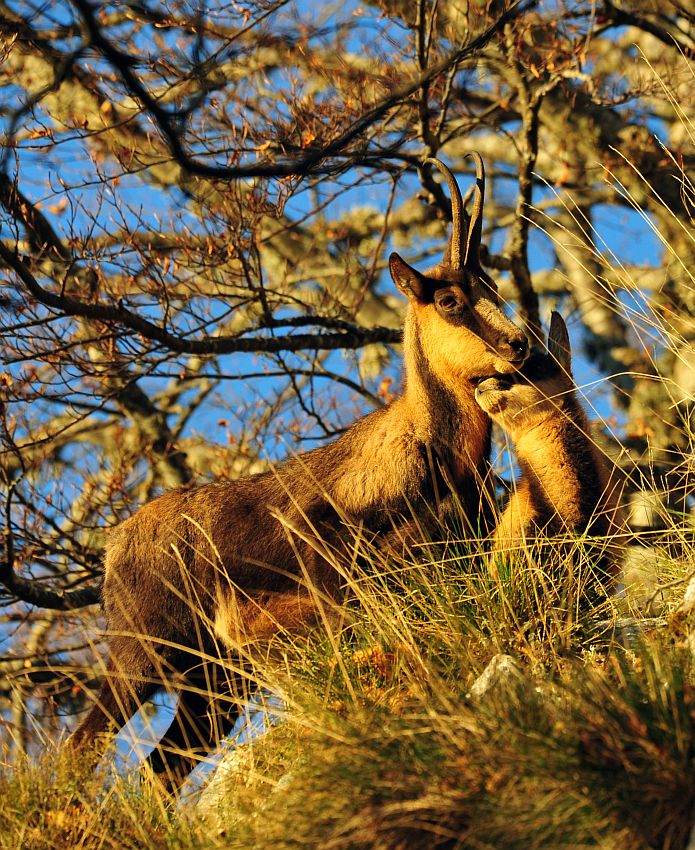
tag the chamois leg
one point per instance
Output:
(206, 712)
(120, 696)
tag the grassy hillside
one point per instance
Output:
(580, 735)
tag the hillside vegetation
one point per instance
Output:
(579, 734)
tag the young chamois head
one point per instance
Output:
(454, 307)
(538, 392)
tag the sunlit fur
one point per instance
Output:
(235, 562)
(567, 485)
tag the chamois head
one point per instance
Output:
(455, 305)
(536, 393)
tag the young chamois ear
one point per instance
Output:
(559, 342)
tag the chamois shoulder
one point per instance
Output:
(378, 463)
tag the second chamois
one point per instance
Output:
(231, 563)
(568, 488)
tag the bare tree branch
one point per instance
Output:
(125, 318)
(308, 164)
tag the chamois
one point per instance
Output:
(219, 564)
(566, 485)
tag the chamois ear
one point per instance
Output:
(559, 341)
(409, 280)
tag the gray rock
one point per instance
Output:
(502, 673)
(688, 602)
(236, 767)
(218, 802)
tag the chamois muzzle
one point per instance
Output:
(499, 333)
(514, 350)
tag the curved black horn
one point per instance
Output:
(456, 244)
(471, 257)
